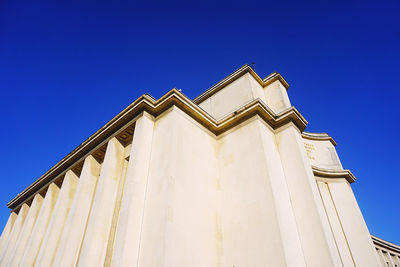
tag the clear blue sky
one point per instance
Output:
(66, 68)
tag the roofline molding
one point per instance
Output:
(156, 108)
(236, 75)
(385, 244)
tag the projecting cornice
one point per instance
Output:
(156, 108)
(318, 137)
(325, 173)
(236, 75)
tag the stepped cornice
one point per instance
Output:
(236, 75)
(156, 107)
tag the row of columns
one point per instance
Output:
(76, 224)
(388, 259)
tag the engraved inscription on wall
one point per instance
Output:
(310, 149)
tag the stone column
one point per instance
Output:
(381, 258)
(18, 247)
(129, 224)
(7, 231)
(74, 230)
(287, 223)
(391, 259)
(396, 260)
(118, 201)
(354, 227)
(56, 225)
(315, 235)
(95, 242)
(19, 222)
(31, 248)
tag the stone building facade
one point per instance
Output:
(227, 179)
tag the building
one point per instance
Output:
(227, 179)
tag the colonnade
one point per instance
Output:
(388, 253)
(73, 222)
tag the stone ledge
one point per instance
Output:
(325, 173)
(318, 137)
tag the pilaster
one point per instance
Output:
(95, 242)
(31, 248)
(7, 230)
(132, 207)
(17, 248)
(75, 226)
(16, 230)
(53, 234)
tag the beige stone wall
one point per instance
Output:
(181, 194)
(232, 96)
